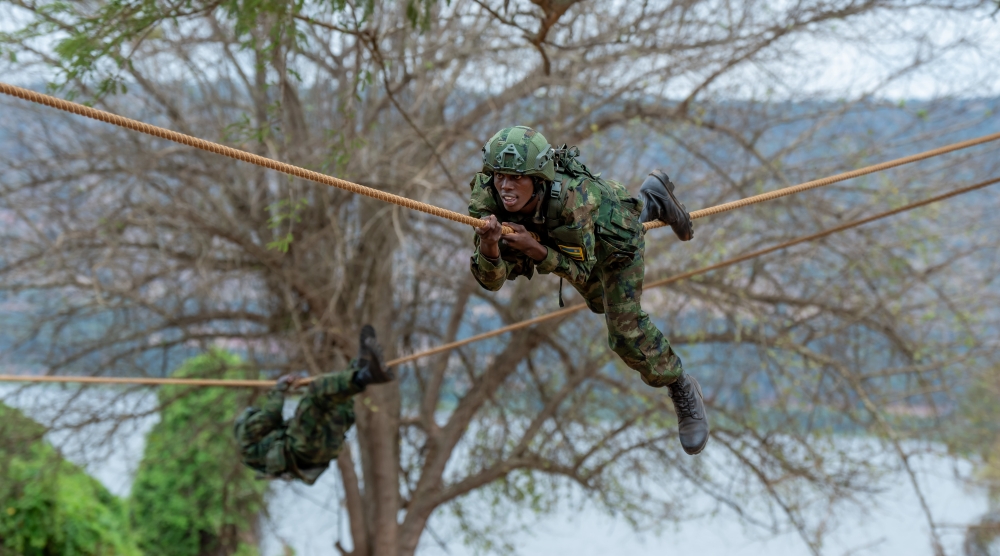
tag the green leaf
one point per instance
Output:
(281, 244)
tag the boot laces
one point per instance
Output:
(684, 400)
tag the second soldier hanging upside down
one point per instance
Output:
(303, 447)
(590, 234)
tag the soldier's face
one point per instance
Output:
(515, 191)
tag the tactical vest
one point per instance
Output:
(617, 228)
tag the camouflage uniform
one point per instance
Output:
(304, 446)
(595, 242)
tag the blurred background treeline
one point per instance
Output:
(828, 367)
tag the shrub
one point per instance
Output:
(50, 507)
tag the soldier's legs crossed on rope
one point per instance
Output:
(630, 332)
(322, 419)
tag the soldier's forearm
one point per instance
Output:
(490, 251)
(537, 252)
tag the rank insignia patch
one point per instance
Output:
(575, 253)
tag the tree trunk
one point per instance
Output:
(379, 406)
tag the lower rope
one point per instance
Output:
(518, 325)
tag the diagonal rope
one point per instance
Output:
(255, 159)
(526, 323)
(264, 162)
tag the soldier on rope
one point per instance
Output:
(590, 233)
(303, 447)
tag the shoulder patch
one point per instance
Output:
(574, 252)
(480, 180)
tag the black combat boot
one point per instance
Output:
(659, 203)
(692, 421)
(371, 364)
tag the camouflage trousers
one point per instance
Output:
(315, 436)
(614, 289)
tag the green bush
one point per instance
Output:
(192, 496)
(48, 506)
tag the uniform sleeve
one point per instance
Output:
(268, 419)
(491, 274)
(580, 209)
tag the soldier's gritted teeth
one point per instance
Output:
(515, 191)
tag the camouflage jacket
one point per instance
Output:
(589, 221)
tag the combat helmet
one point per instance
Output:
(519, 150)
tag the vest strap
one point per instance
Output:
(556, 189)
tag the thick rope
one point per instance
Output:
(771, 195)
(526, 323)
(163, 133)
(264, 162)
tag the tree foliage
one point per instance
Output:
(50, 507)
(191, 495)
